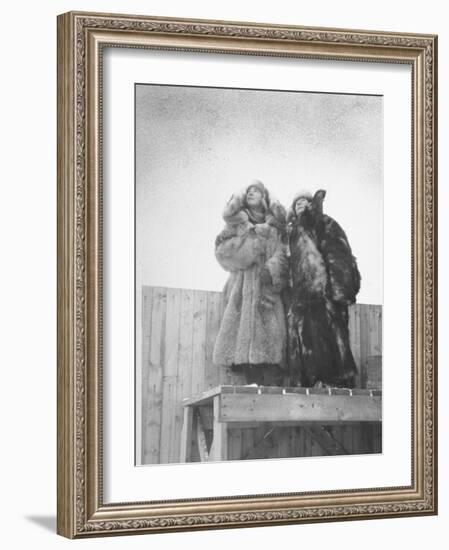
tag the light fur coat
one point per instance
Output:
(253, 327)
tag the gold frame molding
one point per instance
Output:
(81, 37)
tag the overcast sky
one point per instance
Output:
(196, 146)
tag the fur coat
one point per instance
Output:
(253, 327)
(324, 280)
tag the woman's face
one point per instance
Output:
(300, 205)
(254, 197)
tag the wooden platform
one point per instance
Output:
(225, 406)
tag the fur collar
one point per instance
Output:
(236, 212)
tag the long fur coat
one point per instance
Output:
(253, 328)
(324, 280)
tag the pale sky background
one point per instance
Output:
(196, 146)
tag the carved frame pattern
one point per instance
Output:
(80, 509)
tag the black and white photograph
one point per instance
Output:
(258, 274)
(223, 236)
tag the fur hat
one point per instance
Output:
(261, 187)
(303, 194)
(316, 200)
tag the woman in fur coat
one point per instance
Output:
(252, 247)
(324, 281)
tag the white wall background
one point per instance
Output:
(28, 277)
(196, 146)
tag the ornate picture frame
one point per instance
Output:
(82, 40)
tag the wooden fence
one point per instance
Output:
(178, 334)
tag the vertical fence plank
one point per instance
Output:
(377, 437)
(308, 447)
(153, 390)
(301, 445)
(364, 343)
(354, 338)
(247, 441)
(357, 443)
(214, 307)
(235, 444)
(283, 440)
(168, 431)
(184, 373)
(225, 374)
(374, 360)
(347, 437)
(199, 342)
(147, 306)
(375, 329)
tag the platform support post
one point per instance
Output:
(219, 450)
(186, 435)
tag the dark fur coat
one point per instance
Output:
(324, 280)
(253, 327)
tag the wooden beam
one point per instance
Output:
(291, 424)
(186, 435)
(201, 439)
(299, 407)
(206, 396)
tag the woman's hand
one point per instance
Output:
(262, 229)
